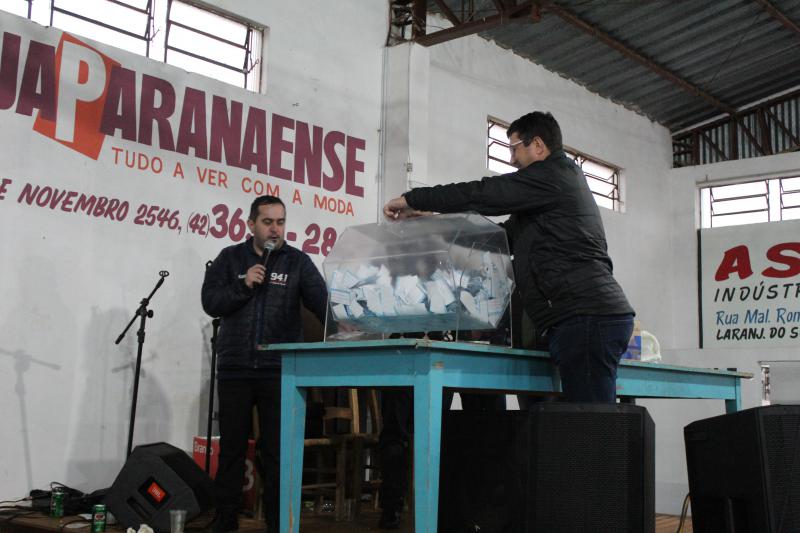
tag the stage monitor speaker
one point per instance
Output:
(156, 478)
(592, 469)
(561, 467)
(744, 471)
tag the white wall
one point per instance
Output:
(683, 346)
(71, 282)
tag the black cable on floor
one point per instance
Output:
(684, 511)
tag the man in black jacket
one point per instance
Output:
(561, 260)
(256, 287)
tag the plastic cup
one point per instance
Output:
(177, 519)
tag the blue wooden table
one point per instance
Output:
(428, 366)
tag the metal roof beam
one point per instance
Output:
(778, 14)
(636, 56)
(462, 29)
(419, 14)
(447, 12)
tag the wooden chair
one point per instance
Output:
(348, 450)
(347, 447)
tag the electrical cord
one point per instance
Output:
(14, 502)
(81, 521)
(684, 511)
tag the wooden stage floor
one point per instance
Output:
(309, 523)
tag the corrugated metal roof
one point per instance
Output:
(733, 50)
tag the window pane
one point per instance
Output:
(739, 189)
(500, 168)
(791, 214)
(601, 187)
(107, 12)
(131, 21)
(205, 68)
(790, 184)
(751, 202)
(705, 208)
(208, 22)
(119, 18)
(206, 46)
(82, 28)
(739, 205)
(791, 199)
(604, 202)
(18, 7)
(499, 151)
(736, 220)
(139, 4)
(596, 169)
(498, 131)
(229, 61)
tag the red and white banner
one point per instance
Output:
(142, 144)
(750, 288)
(113, 168)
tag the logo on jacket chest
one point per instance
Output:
(276, 278)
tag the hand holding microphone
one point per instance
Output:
(257, 273)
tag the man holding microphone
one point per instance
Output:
(256, 287)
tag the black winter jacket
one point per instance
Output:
(267, 313)
(561, 260)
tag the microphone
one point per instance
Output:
(268, 247)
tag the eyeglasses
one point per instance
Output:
(513, 146)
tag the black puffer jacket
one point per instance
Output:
(266, 314)
(561, 260)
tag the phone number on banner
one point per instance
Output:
(220, 223)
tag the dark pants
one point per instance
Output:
(586, 349)
(236, 400)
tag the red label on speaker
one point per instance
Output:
(156, 492)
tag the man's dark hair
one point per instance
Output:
(264, 200)
(537, 124)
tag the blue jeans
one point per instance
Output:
(586, 349)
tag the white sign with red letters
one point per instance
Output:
(750, 288)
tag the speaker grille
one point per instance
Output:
(744, 471)
(589, 471)
(782, 439)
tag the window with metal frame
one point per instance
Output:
(751, 202)
(18, 7)
(602, 178)
(498, 153)
(180, 33)
(194, 41)
(126, 24)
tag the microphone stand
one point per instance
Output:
(144, 313)
(214, 329)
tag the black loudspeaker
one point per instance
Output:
(156, 478)
(593, 468)
(744, 471)
(483, 480)
(562, 467)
